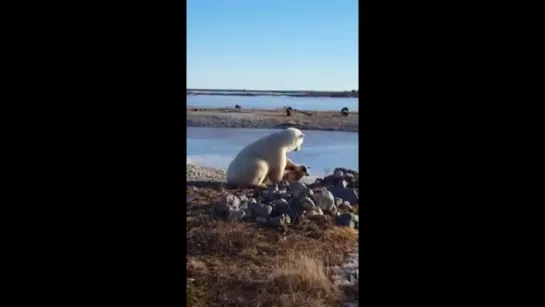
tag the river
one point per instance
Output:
(321, 150)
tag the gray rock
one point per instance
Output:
(243, 198)
(248, 211)
(319, 211)
(243, 205)
(338, 174)
(271, 195)
(342, 183)
(280, 220)
(307, 203)
(266, 196)
(260, 209)
(342, 169)
(347, 194)
(252, 202)
(273, 187)
(261, 219)
(296, 208)
(236, 215)
(345, 205)
(285, 195)
(318, 217)
(279, 202)
(283, 184)
(316, 211)
(311, 213)
(333, 210)
(324, 199)
(346, 219)
(296, 188)
(293, 209)
(329, 180)
(349, 176)
(281, 207)
(338, 201)
(230, 202)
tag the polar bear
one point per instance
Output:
(265, 159)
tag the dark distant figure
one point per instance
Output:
(288, 111)
(344, 111)
(238, 107)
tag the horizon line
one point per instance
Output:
(269, 91)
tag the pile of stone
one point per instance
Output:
(345, 178)
(286, 203)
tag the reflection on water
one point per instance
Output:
(216, 147)
(271, 102)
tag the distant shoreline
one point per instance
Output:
(331, 94)
(261, 118)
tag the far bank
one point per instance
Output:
(260, 118)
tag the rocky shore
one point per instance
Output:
(203, 173)
(282, 204)
(254, 118)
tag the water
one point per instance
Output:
(216, 147)
(273, 102)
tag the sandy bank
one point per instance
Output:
(260, 118)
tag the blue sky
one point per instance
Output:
(274, 44)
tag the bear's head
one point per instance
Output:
(294, 139)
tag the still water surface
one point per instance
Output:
(216, 147)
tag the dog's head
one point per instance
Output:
(305, 170)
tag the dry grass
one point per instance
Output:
(304, 274)
(245, 264)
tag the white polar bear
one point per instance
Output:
(264, 159)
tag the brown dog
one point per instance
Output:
(294, 174)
